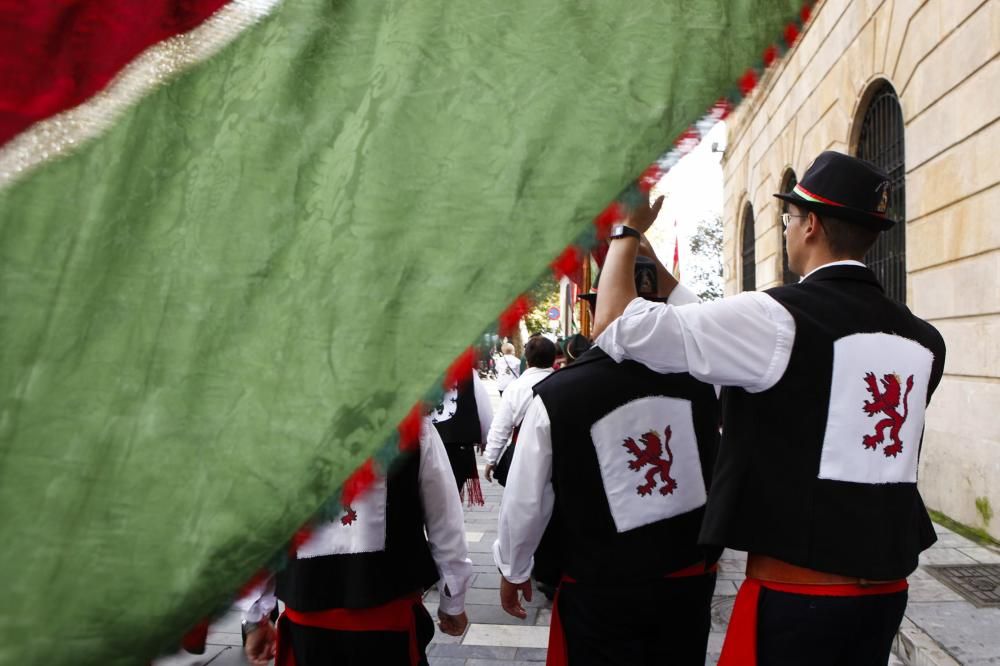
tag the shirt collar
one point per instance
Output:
(845, 262)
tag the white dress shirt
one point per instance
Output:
(445, 527)
(512, 408)
(528, 498)
(508, 369)
(743, 340)
(483, 406)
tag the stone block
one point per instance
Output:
(966, 633)
(934, 57)
(961, 230)
(961, 171)
(952, 482)
(531, 654)
(471, 651)
(507, 635)
(899, 19)
(963, 111)
(964, 288)
(973, 348)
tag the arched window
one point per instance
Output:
(787, 276)
(749, 256)
(881, 142)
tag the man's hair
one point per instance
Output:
(540, 352)
(507, 348)
(848, 239)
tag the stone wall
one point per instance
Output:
(941, 58)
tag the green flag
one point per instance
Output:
(224, 297)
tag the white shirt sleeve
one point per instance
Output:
(503, 424)
(483, 406)
(681, 295)
(528, 498)
(743, 340)
(444, 521)
(259, 601)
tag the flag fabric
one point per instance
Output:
(239, 239)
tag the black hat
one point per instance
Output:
(645, 280)
(846, 188)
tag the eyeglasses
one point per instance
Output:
(786, 219)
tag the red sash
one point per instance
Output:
(557, 654)
(397, 615)
(740, 646)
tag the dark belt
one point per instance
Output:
(766, 568)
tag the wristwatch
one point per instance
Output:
(621, 231)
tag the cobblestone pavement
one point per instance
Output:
(940, 628)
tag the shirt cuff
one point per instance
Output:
(260, 609)
(453, 605)
(455, 578)
(506, 571)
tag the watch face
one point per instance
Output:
(619, 230)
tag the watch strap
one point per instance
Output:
(621, 231)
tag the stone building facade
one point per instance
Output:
(913, 85)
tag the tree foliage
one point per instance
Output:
(545, 295)
(706, 244)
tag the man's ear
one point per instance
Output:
(813, 226)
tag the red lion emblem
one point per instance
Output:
(886, 402)
(349, 517)
(651, 453)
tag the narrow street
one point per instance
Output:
(936, 616)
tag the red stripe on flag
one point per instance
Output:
(56, 55)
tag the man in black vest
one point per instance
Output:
(823, 418)
(353, 590)
(620, 458)
(463, 420)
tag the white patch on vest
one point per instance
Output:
(449, 405)
(364, 534)
(649, 461)
(876, 412)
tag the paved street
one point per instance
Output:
(940, 629)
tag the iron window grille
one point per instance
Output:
(787, 276)
(881, 142)
(749, 254)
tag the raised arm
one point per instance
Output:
(617, 277)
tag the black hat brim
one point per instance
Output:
(853, 215)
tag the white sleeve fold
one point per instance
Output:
(444, 521)
(258, 603)
(528, 498)
(744, 340)
(681, 295)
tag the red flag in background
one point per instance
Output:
(677, 255)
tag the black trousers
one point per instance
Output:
(323, 647)
(795, 629)
(663, 622)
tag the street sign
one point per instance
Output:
(553, 313)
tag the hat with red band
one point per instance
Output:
(846, 188)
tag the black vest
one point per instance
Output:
(368, 579)
(820, 469)
(629, 477)
(463, 426)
